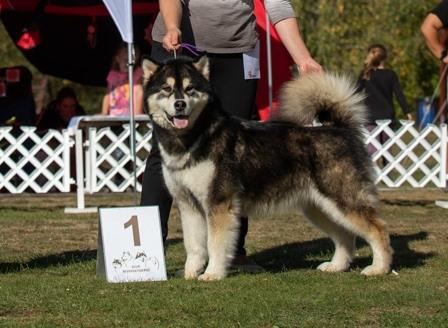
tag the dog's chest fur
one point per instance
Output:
(187, 180)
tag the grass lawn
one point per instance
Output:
(47, 273)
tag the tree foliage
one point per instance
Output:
(89, 97)
(338, 33)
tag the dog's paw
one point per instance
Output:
(210, 277)
(191, 275)
(333, 267)
(194, 266)
(193, 272)
(375, 270)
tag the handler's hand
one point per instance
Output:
(171, 40)
(309, 65)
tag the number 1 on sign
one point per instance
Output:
(135, 231)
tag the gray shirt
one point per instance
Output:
(223, 26)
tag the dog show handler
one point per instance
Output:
(226, 31)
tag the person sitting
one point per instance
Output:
(60, 111)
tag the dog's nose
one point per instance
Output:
(180, 105)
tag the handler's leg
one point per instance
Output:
(237, 97)
(154, 192)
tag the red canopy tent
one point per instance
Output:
(281, 62)
(76, 38)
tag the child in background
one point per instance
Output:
(116, 101)
(381, 84)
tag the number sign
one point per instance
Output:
(130, 246)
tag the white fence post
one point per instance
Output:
(80, 196)
(444, 156)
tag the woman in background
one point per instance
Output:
(381, 84)
(60, 111)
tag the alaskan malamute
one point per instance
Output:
(218, 168)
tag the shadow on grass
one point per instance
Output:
(309, 254)
(300, 255)
(173, 241)
(60, 259)
(406, 202)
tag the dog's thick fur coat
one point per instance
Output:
(218, 168)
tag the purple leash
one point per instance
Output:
(192, 49)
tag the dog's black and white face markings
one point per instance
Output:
(176, 92)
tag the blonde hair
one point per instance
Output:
(377, 54)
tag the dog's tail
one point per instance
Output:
(330, 97)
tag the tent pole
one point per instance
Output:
(131, 63)
(269, 60)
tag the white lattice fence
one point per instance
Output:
(41, 163)
(409, 156)
(110, 160)
(30, 161)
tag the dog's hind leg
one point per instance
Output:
(374, 231)
(195, 240)
(364, 223)
(343, 240)
(223, 227)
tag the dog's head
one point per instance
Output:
(176, 92)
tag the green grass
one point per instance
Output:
(48, 258)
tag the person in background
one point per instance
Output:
(116, 101)
(60, 111)
(226, 31)
(434, 30)
(381, 84)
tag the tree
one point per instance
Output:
(90, 97)
(338, 33)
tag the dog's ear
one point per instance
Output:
(203, 66)
(149, 67)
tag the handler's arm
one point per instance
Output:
(105, 105)
(289, 33)
(282, 15)
(171, 11)
(138, 96)
(430, 29)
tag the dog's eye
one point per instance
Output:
(189, 88)
(167, 88)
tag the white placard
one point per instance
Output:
(130, 246)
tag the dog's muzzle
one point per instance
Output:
(180, 120)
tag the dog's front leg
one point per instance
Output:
(223, 225)
(195, 240)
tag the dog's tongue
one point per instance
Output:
(180, 123)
